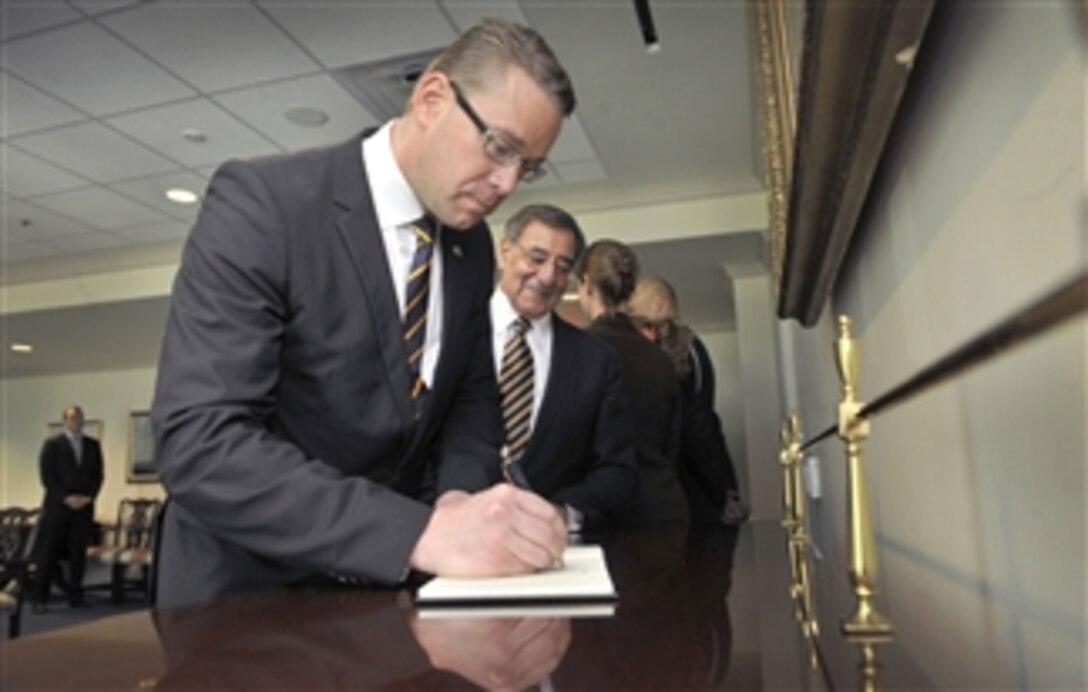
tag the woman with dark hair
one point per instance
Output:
(608, 274)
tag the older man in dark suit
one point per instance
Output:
(71, 470)
(329, 334)
(577, 450)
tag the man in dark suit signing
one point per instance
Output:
(71, 470)
(328, 335)
(579, 453)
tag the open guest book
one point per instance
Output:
(583, 578)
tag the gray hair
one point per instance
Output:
(552, 217)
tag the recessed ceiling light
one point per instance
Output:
(191, 134)
(180, 195)
(306, 116)
(19, 347)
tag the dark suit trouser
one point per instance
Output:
(58, 532)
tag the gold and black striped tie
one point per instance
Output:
(415, 301)
(516, 386)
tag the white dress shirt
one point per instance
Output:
(396, 207)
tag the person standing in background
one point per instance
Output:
(70, 464)
(572, 436)
(706, 468)
(608, 273)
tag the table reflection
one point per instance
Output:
(670, 629)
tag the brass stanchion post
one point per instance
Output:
(788, 457)
(865, 620)
(794, 522)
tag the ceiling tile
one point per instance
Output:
(196, 41)
(31, 222)
(89, 241)
(365, 31)
(17, 251)
(24, 17)
(206, 172)
(100, 6)
(467, 13)
(169, 230)
(572, 145)
(95, 151)
(150, 191)
(26, 109)
(26, 176)
(225, 137)
(92, 70)
(581, 171)
(346, 116)
(101, 208)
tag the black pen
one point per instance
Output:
(515, 476)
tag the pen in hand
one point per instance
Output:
(515, 476)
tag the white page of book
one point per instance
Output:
(583, 576)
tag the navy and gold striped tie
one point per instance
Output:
(415, 301)
(516, 386)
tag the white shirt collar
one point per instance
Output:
(395, 204)
(503, 315)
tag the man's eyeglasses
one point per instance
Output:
(538, 258)
(497, 144)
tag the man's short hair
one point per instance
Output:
(552, 217)
(491, 46)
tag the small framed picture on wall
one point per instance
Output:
(141, 449)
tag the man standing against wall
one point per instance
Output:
(71, 471)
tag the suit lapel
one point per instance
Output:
(358, 229)
(560, 375)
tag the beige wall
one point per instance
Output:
(979, 485)
(30, 403)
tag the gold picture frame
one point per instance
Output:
(846, 66)
(140, 466)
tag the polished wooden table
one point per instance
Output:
(708, 610)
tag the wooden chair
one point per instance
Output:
(128, 547)
(18, 528)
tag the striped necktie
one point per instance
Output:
(516, 386)
(415, 301)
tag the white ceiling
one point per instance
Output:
(98, 93)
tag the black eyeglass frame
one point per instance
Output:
(528, 169)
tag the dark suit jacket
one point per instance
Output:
(582, 452)
(62, 476)
(284, 429)
(706, 469)
(653, 398)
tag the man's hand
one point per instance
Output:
(496, 532)
(496, 654)
(76, 502)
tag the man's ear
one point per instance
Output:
(430, 97)
(502, 249)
